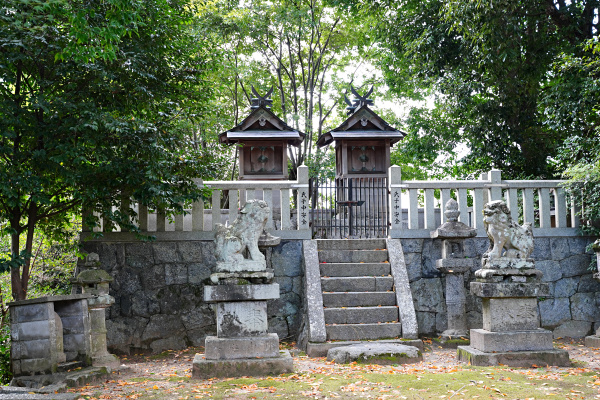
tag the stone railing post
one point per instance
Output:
(303, 209)
(395, 173)
(594, 340)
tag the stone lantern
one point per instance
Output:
(95, 282)
(454, 265)
(594, 340)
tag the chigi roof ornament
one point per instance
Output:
(359, 100)
(259, 100)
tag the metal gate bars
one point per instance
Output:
(349, 207)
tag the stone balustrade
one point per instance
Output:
(199, 222)
(543, 203)
(415, 210)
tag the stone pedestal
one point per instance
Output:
(454, 265)
(511, 333)
(594, 340)
(243, 346)
(47, 332)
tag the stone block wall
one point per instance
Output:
(158, 290)
(573, 309)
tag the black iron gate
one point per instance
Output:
(349, 208)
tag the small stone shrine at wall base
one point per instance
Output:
(594, 340)
(242, 286)
(49, 334)
(509, 285)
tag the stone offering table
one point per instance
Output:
(49, 333)
(509, 286)
(594, 340)
(454, 265)
(240, 290)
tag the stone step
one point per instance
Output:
(361, 315)
(357, 284)
(354, 269)
(364, 331)
(351, 244)
(69, 366)
(359, 299)
(353, 256)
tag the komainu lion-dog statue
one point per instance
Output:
(232, 242)
(508, 239)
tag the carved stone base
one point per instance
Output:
(205, 369)
(529, 340)
(244, 265)
(507, 263)
(527, 359)
(242, 277)
(243, 347)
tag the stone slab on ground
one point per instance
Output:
(527, 359)
(239, 348)
(375, 353)
(592, 341)
(321, 349)
(205, 369)
(530, 340)
(18, 393)
(61, 381)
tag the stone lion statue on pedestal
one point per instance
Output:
(508, 239)
(232, 242)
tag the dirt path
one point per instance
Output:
(170, 372)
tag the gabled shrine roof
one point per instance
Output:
(262, 124)
(364, 123)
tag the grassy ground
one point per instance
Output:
(439, 376)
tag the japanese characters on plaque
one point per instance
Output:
(396, 207)
(303, 207)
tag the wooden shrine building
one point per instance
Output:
(264, 138)
(358, 204)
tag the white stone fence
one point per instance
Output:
(415, 207)
(289, 221)
(543, 203)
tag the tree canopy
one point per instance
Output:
(488, 65)
(92, 97)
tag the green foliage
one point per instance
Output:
(489, 65)
(5, 372)
(572, 105)
(321, 164)
(302, 49)
(84, 127)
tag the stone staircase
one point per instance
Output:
(358, 290)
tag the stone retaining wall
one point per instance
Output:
(572, 310)
(158, 290)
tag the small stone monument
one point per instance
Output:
(594, 340)
(95, 282)
(509, 286)
(454, 264)
(241, 286)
